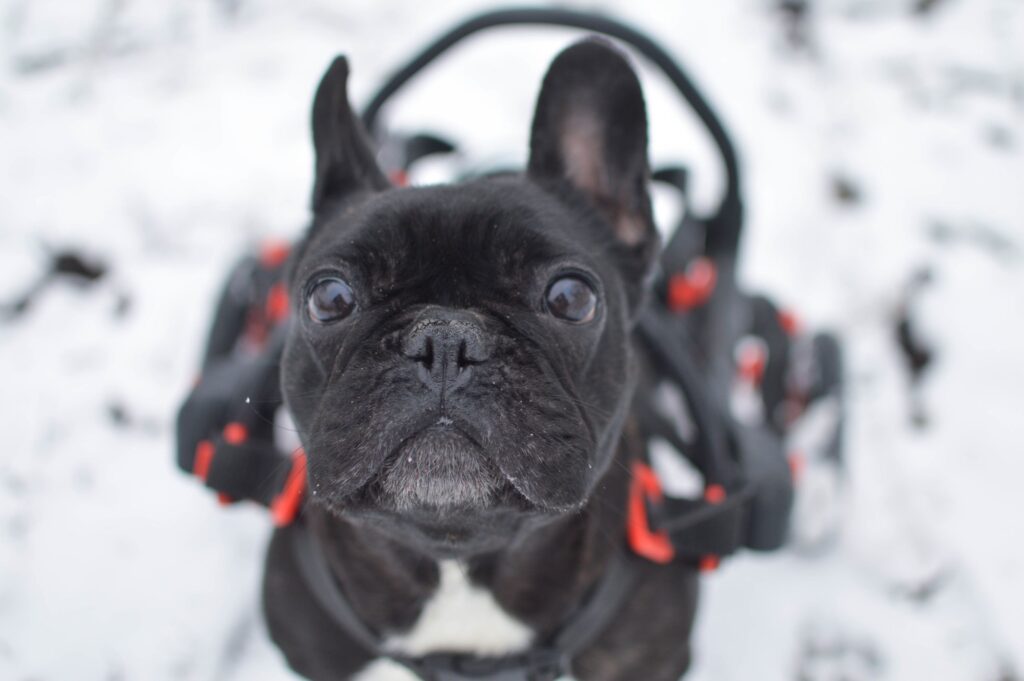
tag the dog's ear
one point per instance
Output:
(590, 129)
(344, 157)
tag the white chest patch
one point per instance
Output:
(459, 617)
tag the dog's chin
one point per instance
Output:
(439, 491)
(438, 470)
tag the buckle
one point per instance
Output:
(709, 528)
(662, 529)
(536, 664)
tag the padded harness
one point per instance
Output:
(226, 434)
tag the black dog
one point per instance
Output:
(461, 372)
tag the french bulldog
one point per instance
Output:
(461, 369)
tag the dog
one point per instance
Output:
(461, 371)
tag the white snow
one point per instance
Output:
(165, 138)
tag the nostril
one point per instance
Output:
(472, 350)
(426, 354)
(419, 347)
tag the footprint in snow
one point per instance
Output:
(827, 654)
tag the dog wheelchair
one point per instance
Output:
(734, 382)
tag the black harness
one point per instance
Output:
(544, 662)
(688, 334)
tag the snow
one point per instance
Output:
(163, 139)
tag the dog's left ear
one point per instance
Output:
(590, 129)
(344, 156)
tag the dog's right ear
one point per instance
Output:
(344, 156)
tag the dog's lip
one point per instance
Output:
(505, 494)
(442, 425)
(509, 488)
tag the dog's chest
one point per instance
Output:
(459, 617)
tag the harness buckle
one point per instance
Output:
(662, 529)
(536, 664)
(705, 530)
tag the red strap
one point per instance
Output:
(235, 433)
(654, 546)
(274, 253)
(751, 362)
(203, 459)
(277, 303)
(789, 322)
(399, 178)
(714, 494)
(687, 290)
(285, 506)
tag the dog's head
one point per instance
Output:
(460, 360)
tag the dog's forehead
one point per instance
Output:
(483, 229)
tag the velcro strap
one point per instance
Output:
(250, 470)
(700, 528)
(242, 469)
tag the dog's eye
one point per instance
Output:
(572, 299)
(330, 299)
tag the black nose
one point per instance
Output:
(445, 344)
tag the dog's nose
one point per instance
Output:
(445, 344)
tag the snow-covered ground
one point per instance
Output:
(880, 139)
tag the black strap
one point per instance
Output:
(727, 220)
(711, 447)
(698, 528)
(538, 663)
(535, 664)
(316, 572)
(590, 620)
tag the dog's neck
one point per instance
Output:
(537, 579)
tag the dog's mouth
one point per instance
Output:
(441, 484)
(440, 470)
